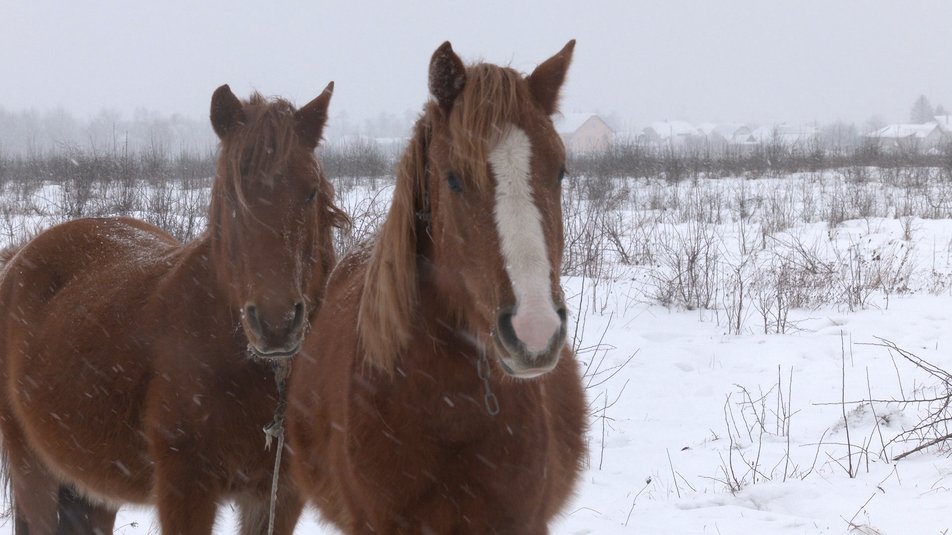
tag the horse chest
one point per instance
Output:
(214, 400)
(452, 410)
(433, 445)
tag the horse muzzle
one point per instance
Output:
(274, 339)
(530, 343)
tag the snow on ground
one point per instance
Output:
(696, 429)
(661, 460)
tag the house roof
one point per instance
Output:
(569, 123)
(725, 130)
(784, 133)
(944, 122)
(899, 131)
(669, 129)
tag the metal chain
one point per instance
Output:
(489, 400)
(275, 429)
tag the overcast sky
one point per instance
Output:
(717, 60)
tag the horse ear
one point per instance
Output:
(227, 112)
(546, 80)
(312, 118)
(447, 76)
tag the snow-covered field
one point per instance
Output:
(722, 433)
(733, 334)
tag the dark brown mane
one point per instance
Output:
(263, 146)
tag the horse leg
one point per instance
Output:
(35, 491)
(79, 515)
(255, 512)
(185, 506)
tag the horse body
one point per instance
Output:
(100, 435)
(126, 372)
(427, 411)
(143, 375)
(420, 452)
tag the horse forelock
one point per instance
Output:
(262, 148)
(493, 98)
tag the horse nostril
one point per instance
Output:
(251, 313)
(298, 319)
(506, 331)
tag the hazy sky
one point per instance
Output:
(714, 60)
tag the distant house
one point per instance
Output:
(676, 135)
(911, 137)
(722, 135)
(682, 135)
(584, 132)
(945, 124)
(795, 138)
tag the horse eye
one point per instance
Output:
(453, 181)
(311, 196)
(561, 174)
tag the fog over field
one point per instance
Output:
(728, 60)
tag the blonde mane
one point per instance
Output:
(492, 98)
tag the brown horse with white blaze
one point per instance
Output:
(135, 369)
(447, 400)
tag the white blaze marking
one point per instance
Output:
(519, 224)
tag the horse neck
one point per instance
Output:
(199, 263)
(212, 257)
(196, 261)
(438, 318)
(437, 288)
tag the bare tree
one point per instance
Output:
(922, 111)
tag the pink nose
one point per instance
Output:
(535, 324)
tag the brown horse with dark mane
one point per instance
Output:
(138, 370)
(446, 400)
